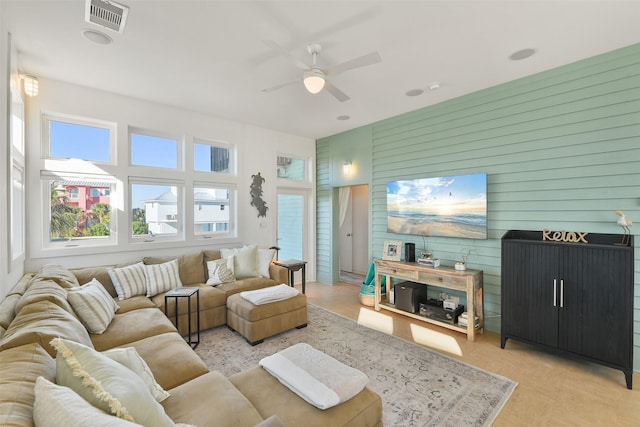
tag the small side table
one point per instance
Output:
(177, 293)
(294, 265)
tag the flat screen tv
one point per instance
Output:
(449, 206)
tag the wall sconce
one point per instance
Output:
(346, 168)
(30, 85)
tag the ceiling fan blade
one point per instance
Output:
(337, 93)
(282, 51)
(280, 86)
(363, 61)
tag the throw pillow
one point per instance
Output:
(58, 406)
(129, 357)
(265, 256)
(221, 271)
(93, 305)
(246, 261)
(162, 277)
(106, 384)
(129, 281)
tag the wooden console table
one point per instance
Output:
(468, 281)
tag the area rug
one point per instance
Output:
(418, 386)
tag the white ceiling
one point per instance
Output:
(210, 56)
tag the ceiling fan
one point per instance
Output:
(315, 78)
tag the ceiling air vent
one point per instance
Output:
(107, 14)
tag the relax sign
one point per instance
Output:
(564, 236)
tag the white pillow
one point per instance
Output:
(221, 271)
(106, 384)
(129, 357)
(129, 281)
(162, 277)
(58, 406)
(93, 305)
(265, 256)
(246, 262)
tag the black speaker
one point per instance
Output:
(410, 252)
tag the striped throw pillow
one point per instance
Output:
(129, 281)
(93, 305)
(162, 277)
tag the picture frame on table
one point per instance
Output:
(392, 250)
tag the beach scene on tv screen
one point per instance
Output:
(449, 206)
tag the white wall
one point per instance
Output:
(257, 152)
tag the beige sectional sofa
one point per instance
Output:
(37, 310)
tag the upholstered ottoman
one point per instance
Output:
(257, 322)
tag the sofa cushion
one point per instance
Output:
(221, 271)
(245, 285)
(87, 274)
(134, 303)
(8, 309)
(231, 408)
(44, 290)
(191, 266)
(58, 406)
(132, 326)
(93, 305)
(40, 322)
(265, 256)
(162, 277)
(170, 359)
(129, 357)
(129, 281)
(106, 384)
(59, 274)
(246, 261)
(19, 369)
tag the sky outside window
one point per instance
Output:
(74, 141)
(154, 151)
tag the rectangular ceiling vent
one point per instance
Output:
(107, 14)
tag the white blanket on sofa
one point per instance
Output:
(270, 294)
(315, 376)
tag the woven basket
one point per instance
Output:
(368, 300)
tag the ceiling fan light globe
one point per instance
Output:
(313, 81)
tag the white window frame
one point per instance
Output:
(180, 215)
(73, 242)
(81, 121)
(156, 134)
(233, 156)
(233, 198)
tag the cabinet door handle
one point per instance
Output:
(561, 293)
(554, 292)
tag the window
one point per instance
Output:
(155, 210)
(75, 217)
(95, 192)
(212, 157)
(291, 168)
(211, 213)
(156, 151)
(73, 140)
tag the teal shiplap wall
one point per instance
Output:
(561, 150)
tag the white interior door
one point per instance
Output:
(354, 229)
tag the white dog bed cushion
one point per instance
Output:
(315, 376)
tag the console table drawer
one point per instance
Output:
(436, 279)
(398, 272)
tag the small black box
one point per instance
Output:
(410, 252)
(409, 295)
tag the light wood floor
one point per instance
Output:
(552, 390)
